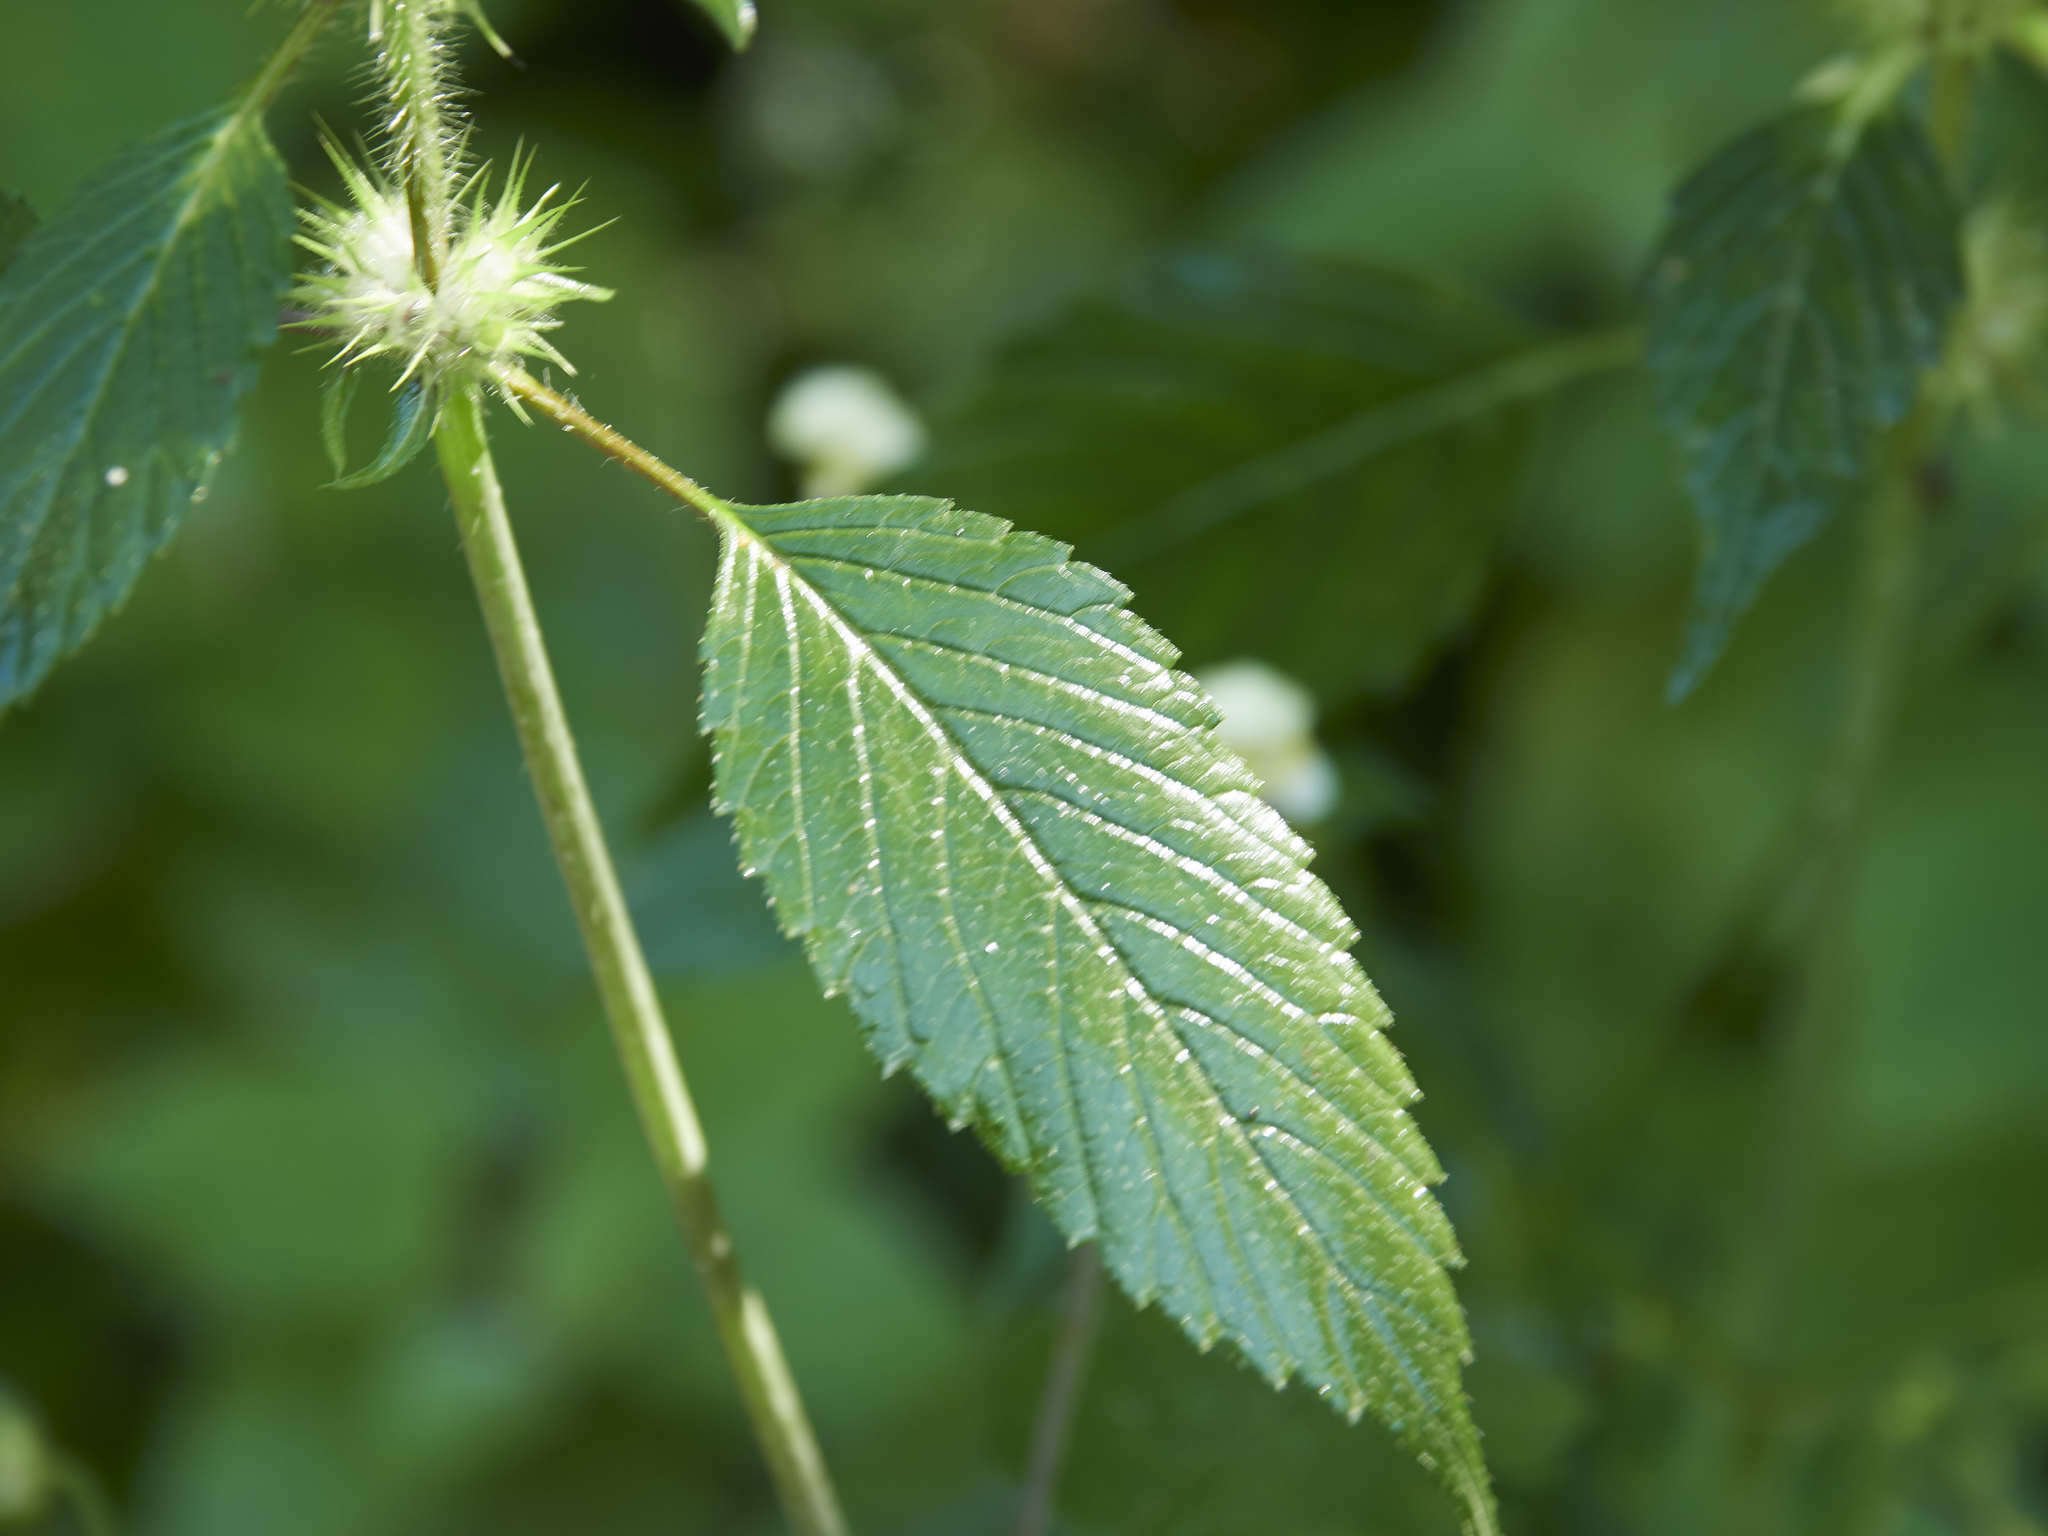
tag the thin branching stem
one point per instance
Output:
(620, 968)
(1809, 923)
(1541, 369)
(613, 444)
(1795, 952)
(1080, 1304)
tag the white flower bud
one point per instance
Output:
(846, 427)
(1269, 721)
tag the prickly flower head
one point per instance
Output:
(491, 301)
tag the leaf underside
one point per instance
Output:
(128, 329)
(1231, 427)
(1800, 290)
(998, 817)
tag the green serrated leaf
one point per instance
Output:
(735, 18)
(1001, 822)
(1800, 289)
(1234, 427)
(412, 428)
(128, 330)
(17, 221)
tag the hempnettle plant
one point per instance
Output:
(974, 784)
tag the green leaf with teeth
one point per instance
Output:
(1000, 820)
(1802, 287)
(129, 327)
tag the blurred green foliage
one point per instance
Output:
(321, 1206)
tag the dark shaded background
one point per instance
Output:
(321, 1207)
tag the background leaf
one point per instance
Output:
(999, 819)
(2011, 101)
(130, 323)
(1800, 289)
(1251, 438)
(17, 219)
(735, 18)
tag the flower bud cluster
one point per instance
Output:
(491, 302)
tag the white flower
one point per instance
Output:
(846, 427)
(1269, 721)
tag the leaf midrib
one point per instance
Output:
(1778, 361)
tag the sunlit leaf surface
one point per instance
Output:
(996, 814)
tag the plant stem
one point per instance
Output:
(1817, 998)
(1812, 935)
(1801, 882)
(1078, 1307)
(1379, 428)
(413, 54)
(614, 445)
(638, 1029)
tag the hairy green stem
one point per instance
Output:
(638, 1029)
(613, 444)
(412, 55)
